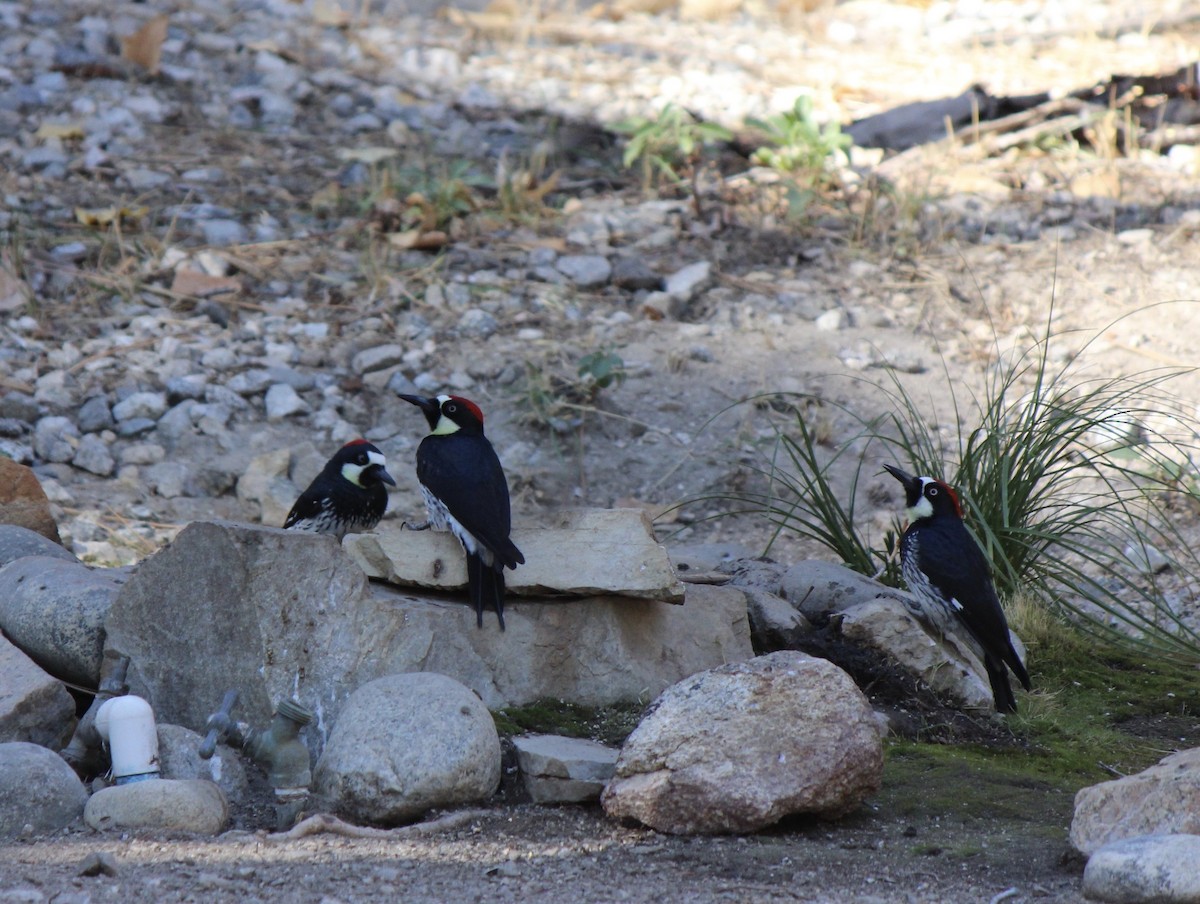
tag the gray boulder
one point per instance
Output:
(55, 438)
(737, 748)
(687, 283)
(164, 804)
(774, 623)
(556, 769)
(404, 744)
(17, 542)
(1161, 800)
(31, 774)
(818, 588)
(1146, 869)
(54, 610)
(179, 758)
(23, 502)
(948, 664)
(266, 482)
(33, 706)
(587, 271)
(888, 620)
(277, 614)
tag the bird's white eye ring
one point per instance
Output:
(932, 491)
(451, 408)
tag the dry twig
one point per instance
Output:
(324, 822)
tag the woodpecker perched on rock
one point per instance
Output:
(348, 495)
(466, 493)
(949, 575)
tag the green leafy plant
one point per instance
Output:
(669, 147)
(439, 193)
(795, 143)
(804, 152)
(602, 368)
(560, 402)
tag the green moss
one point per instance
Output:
(1096, 711)
(606, 724)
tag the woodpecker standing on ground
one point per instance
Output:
(466, 493)
(949, 575)
(348, 495)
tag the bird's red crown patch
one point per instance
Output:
(953, 496)
(470, 406)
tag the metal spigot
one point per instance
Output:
(221, 727)
(280, 751)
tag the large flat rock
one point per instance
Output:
(279, 614)
(577, 552)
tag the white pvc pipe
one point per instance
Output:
(127, 723)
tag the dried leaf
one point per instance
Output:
(14, 291)
(192, 282)
(326, 198)
(369, 155)
(327, 12)
(416, 239)
(63, 131)
(429, 215)
(404, 240)
(99, 217)
(144, 46)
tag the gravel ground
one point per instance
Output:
(215, 262)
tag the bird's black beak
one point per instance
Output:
(383, 475)
(911, 483)
(431, 408)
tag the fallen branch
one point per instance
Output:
(324, 822)
(1168, 136)
(1040, 113)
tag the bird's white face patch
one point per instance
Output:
(445, 426)
(353, 472)
(923, 507)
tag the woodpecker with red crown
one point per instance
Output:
(348, 496)
(466, 493)
(949, 575)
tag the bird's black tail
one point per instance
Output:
(487, 588)
(1018, 667)
(1002, 694)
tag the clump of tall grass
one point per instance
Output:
(1065, 481)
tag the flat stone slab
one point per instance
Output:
(578, 552)
(558, 769)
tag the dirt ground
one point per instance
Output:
(937, 300)
(528, 853)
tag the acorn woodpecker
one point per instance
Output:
(348, 495)
(466, 493)
(949, 575)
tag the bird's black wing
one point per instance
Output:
(310, 505)
(464, 472)
(957, 567)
